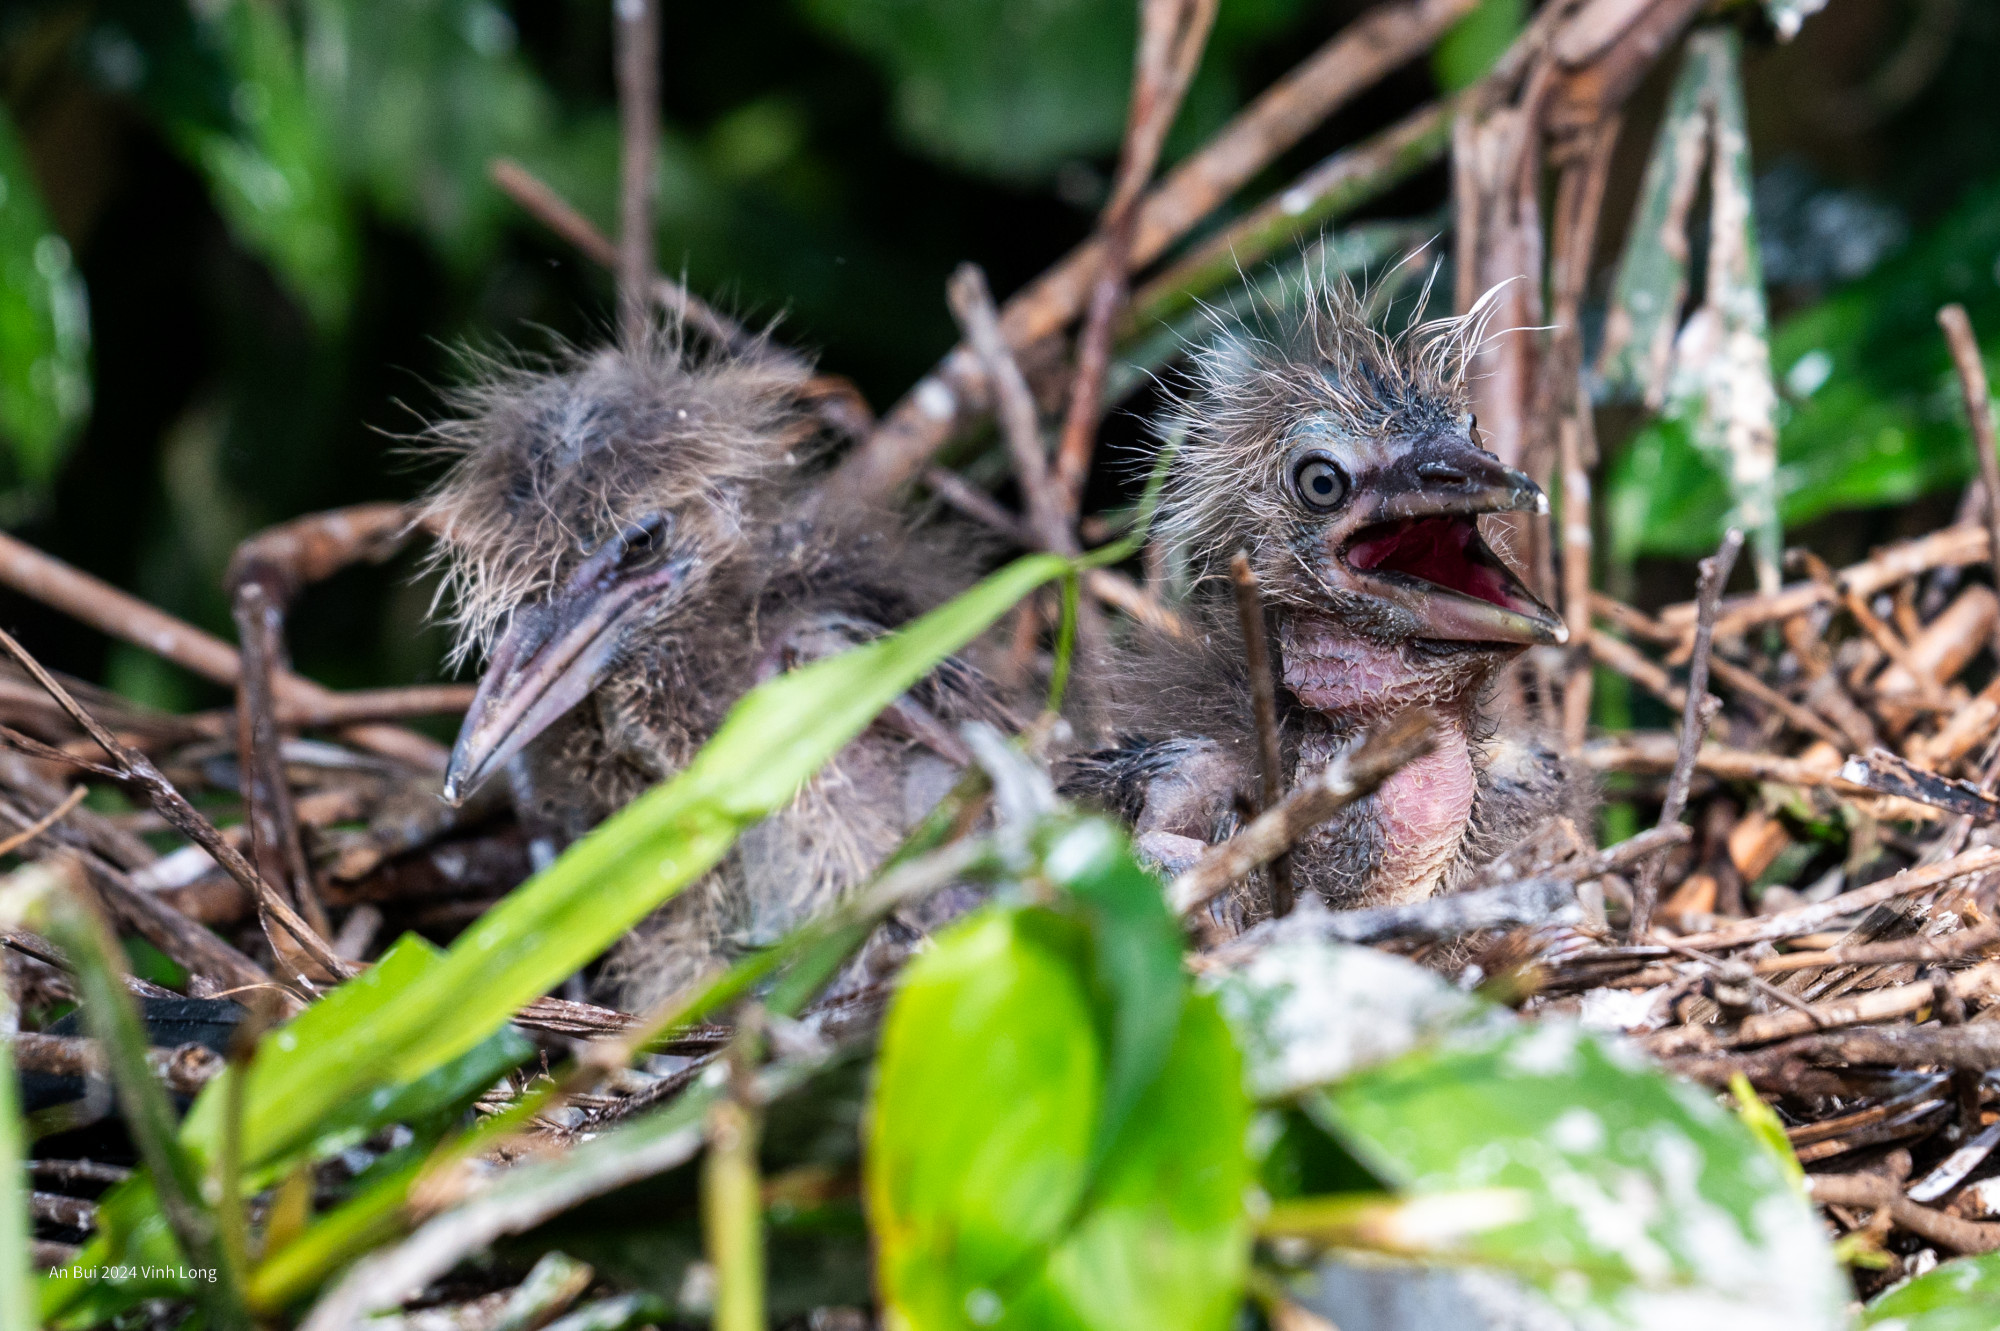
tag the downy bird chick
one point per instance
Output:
(620, 540)
(1346, 464)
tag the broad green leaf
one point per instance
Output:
(44, 324)
(1135, 960)
(975, 1211)
(272, 168)
(1649, 1204)
(1958, 1296)
(416, 1011)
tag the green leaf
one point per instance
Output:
(975, 1211)
(44, 324)
(272, 168)
(1958, 1296)
(423, 95)
(1135, 960)
(1648, 1203)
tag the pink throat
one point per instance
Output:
(1423, 810)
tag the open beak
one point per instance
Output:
(1419, 546)
(555, 652)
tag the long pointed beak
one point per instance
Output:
(1421, 547)
(555, 652)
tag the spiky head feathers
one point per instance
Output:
(553, 460)
(1293, 406)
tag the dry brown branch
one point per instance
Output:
(43, 823)
(1172, 36)
(1694, 719)
(279, 854)
(1020, 426)
(137, 775)
(1740, 681)
(1874, 1005)
(184, 1069)
(1978, 397)
(555, 212)
(1878, 1193)
(1628, 661)
(1351, 777)
(972, 502)
(1264, 708)
(1808, 919)
(1380, 41)
(1951, 947)
(1121, 593)
(637, 59)
(127, 618)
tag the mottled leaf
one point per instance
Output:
(1649, 1204)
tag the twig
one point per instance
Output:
(185, 1069)
(1342, 182)
(1349, 778)
(1951, 947)
(1874, 1005)
(1878, 1193)
(1628, 661)
(1738, 680)
(638, 61)
(1364, 51)
(1264, 708)
(1541, 900)
(274, 826)
(1979, 415)
(554, 212)
(972, 304)
(1806, 919)
(1576, 548)
(138, 775)
(1694, 723)
(43, 823)
(1173, 34)
(103, 607)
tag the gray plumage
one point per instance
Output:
(621, 540)
(1343, 462)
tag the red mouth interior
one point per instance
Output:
(1436, 550)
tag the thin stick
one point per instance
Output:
(1979, 413)
(126, 617)
(1882, 1194)
(972, 303)
(1694, 719)
(1173, 34)
(638, 60)
(1264, 705)
(553, 211)
(140, 776)
(1359, 55)
(1346, 780)
(43, 823)
(274, 825)
(1576, 547)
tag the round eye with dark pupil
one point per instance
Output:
(1320, 483)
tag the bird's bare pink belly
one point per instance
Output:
(1421, 811)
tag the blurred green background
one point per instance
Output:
(242, 240)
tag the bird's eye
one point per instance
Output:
(1321, 484)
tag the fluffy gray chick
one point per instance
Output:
(1346, 463)
(620, 542)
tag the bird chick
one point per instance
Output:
(620, 539)
(1345, 463)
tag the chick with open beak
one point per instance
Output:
(1346, 465)
(621, 541)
